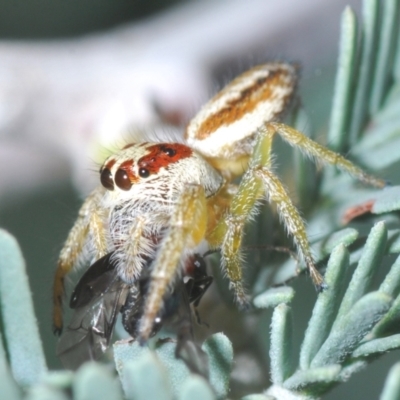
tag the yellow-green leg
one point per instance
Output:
(313, 149)
(290, 216)
(228, 233)
(187, 229)
(260, 181)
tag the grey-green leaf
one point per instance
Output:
(326, 306)
(351, 328)
(282, 360)
(345, 236)
(377, 346)
(391, 283)
(59, 379)
(388, 200)
(94, 381)
(366, 63)
(196, 388)
(21, 331)
(146, 378)
(220, 354)
(43, 392)
(258, 396)
(390, 323)
(391, 390)
(386, 50)
(342, 94)
(313, 377)
(274, 296)
(8, 386)
(366, 269)
(131, 358)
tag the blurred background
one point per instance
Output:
(77, 76)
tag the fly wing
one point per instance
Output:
(178, 316)
(96, 300)
(93, 282)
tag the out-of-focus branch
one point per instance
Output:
(60, 101)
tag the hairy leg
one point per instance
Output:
(187, 229)
(314, 149)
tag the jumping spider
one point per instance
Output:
(165, 201)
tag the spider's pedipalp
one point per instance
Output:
(187, 228)
(129, 261)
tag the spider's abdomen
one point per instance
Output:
(225, 127)
(224, 130)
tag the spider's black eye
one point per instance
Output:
(106, 179)
(122, 179)
(170, 152)
(144, 172)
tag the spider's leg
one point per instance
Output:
(313, 149)
(187, 228)
(228, 233)
(130, 262)
(289, 214)
(88, 221)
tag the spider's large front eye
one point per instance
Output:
(106, 179)
(122, 180)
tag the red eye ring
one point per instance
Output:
(122, 179)
(106, 179)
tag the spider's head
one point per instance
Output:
(157, 168)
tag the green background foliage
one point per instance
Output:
(341, 330)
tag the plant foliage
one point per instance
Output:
(352, 322)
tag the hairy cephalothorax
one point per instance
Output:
(166, 201)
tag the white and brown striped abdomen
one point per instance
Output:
(225, 127)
